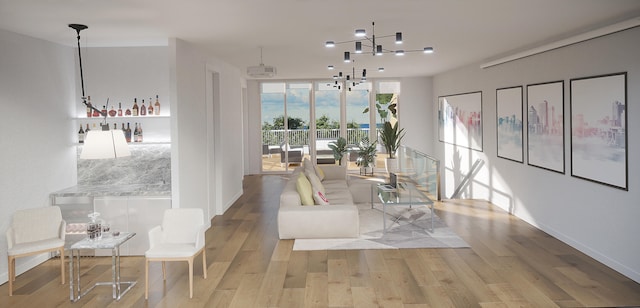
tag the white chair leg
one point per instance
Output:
(204, 262)
(190, 261)
(12, 264)
(146, 278)
(62, 264)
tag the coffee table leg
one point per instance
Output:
(71, 295)
(113, 272)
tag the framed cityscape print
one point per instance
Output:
(599, 129)
(545, 125)
(509, 121)
(460, 120)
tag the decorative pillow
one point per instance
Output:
(315, 181)
(319, 173)
(307, 165)
(319, 198)
(304, 190)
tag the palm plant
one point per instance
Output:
(366, 153)
(391, 137)
(339, 148)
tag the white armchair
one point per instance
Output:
(179, 238)
(32, 232)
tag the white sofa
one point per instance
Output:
(339, 219)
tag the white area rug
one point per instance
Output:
(410, 231)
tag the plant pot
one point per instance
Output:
(366, 170)
(391, 164)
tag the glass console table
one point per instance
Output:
(107, 242)
(406, 194)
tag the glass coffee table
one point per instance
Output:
(406, 194)
(107, 242)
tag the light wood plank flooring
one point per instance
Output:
(509, 264)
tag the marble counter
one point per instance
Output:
(114, 190)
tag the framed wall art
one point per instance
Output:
(509, 118)
(599, 129)
(460, 120)
(545, 125)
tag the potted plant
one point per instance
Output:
(390, 137)
(339, 148)
(366, 156)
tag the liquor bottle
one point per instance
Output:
(128, 112)
(127, 133)
(123, 129)
(120, 110)
(150, 109)
(81, 135)
(140, 132)
(115, 126)
(135, 133)
(157, 107)
(103, 112)
(134, 109)
(89, 110)
(112, 112)
(96, 113)
(86, 131)
(143, 109)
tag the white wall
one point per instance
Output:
(37, 96)
(189, 131)
(415, 113)
(598, 220)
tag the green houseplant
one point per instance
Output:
(390, 136)
(339, 148)
(366, 155)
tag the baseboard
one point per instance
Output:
(25, 264)
(595, 254)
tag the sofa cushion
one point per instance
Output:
(315, 181)
(319, 173)
(304, 189)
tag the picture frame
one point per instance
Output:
(545, 126)
(509, 123)
(599, 129)
(460, 120)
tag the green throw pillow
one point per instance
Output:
(304, 190)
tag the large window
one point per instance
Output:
(284, 142)
(298, 122)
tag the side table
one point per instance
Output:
(111, 242)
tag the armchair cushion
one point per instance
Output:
(37, 224)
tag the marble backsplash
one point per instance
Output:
(149, 164)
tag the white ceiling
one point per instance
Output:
(292, 32)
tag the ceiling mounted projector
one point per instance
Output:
(261, 71)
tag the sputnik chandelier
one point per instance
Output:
(372, 42)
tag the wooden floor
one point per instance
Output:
(509, 264)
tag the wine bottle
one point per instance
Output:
(143, 109)
(89, 110)
(134, 109)
(135, 133)
(150, 109)
(140, 132)
(157, 107)
(81, 135)
(123, 129)
(115, 126)
(127, 133)
(112, 112)
(120, 111)
(86, 131)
